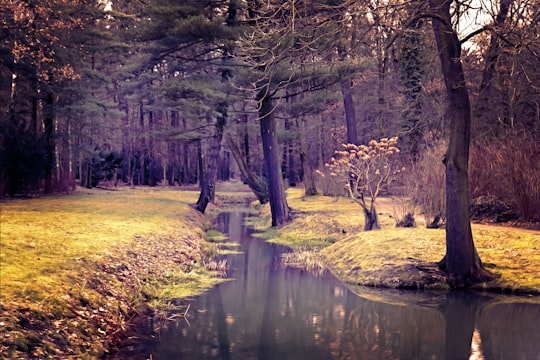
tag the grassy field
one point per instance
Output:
(76, 269)
(327, 232)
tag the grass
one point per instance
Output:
(76, 269)
(92, 260)
(329, 230)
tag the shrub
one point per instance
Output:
(403, 212)
(426, 184)
(366, 171)
(508, 167)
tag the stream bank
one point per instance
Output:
(326, 232)
(78, 271)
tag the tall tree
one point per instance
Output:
(411, 71)
(210, 174)
(31, 64)
(276, 192)
(461, 262)
(487, 85)
(285, 47)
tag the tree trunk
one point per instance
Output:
(255, 183)
(371, 218)
(288, 156)
(310, 188)
(49, 142)
(484, 104)
(276, 193)
(411, 71)
(200, 163)
(209, 176)
(461, 263)
(350, 112)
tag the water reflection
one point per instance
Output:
(273, 313)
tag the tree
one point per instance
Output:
(286, 48)
(366, 171)
(461, 263)
(192, 57)
(255, 182)
(33, 68)
(411, 71)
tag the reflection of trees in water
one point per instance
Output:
(381, 331)
(515, 324)
(271, 313)
(441, 329)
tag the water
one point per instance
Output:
(270, 312)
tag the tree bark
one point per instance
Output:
(209, 176)
(483, 110)
(276, 193)
(461, 263)
(255, 183)
(371, 218)
(350, 112)
(49, 142)
(348, 103)
(310, 187)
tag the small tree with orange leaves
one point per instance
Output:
(366, 171)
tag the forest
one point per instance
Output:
(122, 122)
(169, 93)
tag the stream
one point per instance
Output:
(271, 312)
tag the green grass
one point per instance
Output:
(215, 236)
(94, 255)
(329, 229)
(46, 236)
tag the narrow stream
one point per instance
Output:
(271, 312)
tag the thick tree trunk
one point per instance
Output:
(461, 262)
(209, 176)
(276, 193)
(255, 183)
(371, 218)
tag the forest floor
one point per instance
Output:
(78, 270)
